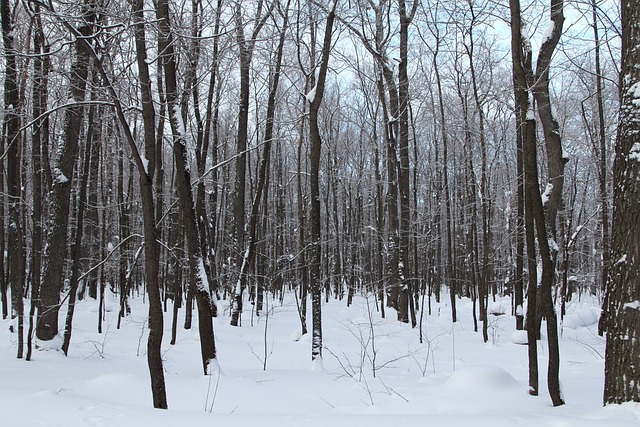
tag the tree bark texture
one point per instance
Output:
(59, 198)
(15, 247)
(622, 369)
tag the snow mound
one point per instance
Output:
(112, 379)
(295, 336)
(582, 318)
(479, 379)
(519, 337)
(499, 308)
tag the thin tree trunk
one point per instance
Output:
(547, 234)
(39, 138)
(484, 192)
(446, 189)
(151, 246)
(602, 172)
(205, 223)
(246, 54)
(406, 17)
(526, 127)
(93, 133)
(264, 166)
(315, 144)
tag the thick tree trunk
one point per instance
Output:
(57, 223)
(405, 16)
(12, 105)
(622, 375)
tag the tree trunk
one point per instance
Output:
(93, 133)
(263, 169)
(446, 189)
(403, 168)
(151, 246)
(185, 195)
(602, 171)
(526, 128)
(547, 231)
(622, 376)
(315, 146)
(39, 138)
(12, 106)
(57, 223)
(246, 54)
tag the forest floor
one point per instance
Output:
(375, 372)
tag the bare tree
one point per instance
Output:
(185, 194)
(263, 170)
(57, 223)
(543, 207)
(315, 146)
(246, 47)
(39, 140)
(12, 105)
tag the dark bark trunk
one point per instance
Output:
(248, 258)
(446, 189)
(39, 138)
(622, 377)
(602, 171)
(315, 147)
(12, 106)
(185, 195)
(206, 222)
(93, 134)
(405, 16)
(57, 223)
(151, 247)
(485, 277)
(519, 271)
(526, 128)
(547, 231)
(92, 215)
(125, 266)
(246, 53)
(302, 263)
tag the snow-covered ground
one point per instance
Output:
(452, 378)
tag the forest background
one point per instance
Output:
(196, 151)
